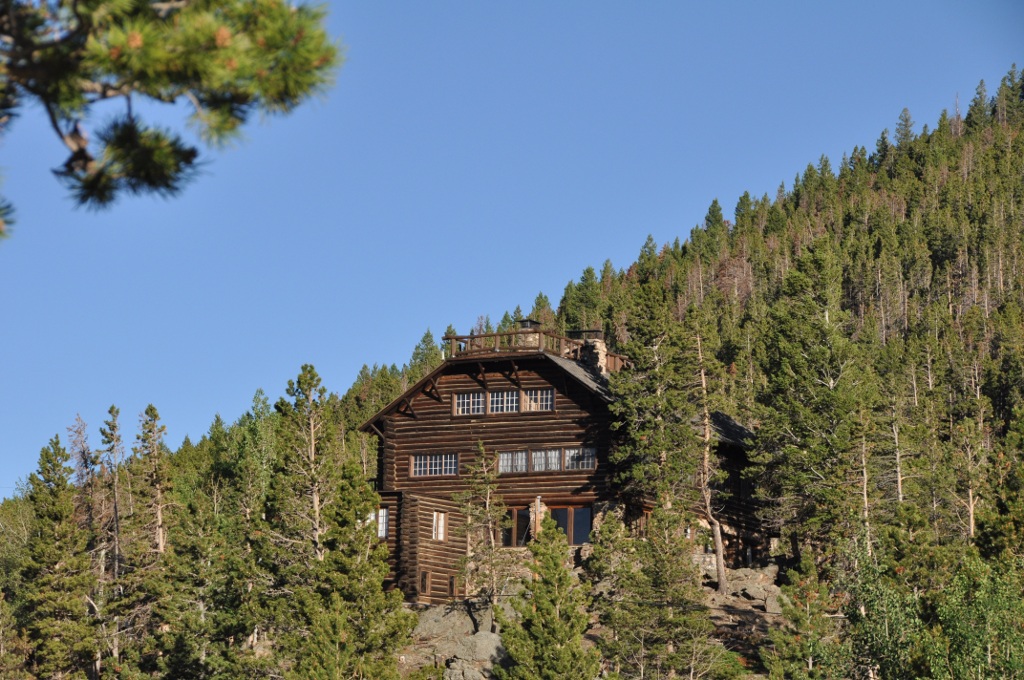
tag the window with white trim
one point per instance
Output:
(539, 399)
(469, 403)
(504, 401)
(512, 461)
(580, 458)
(435, 464)
(544, 460)
(382, 523)
(440, 529)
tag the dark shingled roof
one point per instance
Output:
(589, 378)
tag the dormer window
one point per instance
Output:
(539, 399)
(505, 401)
(469, 403)
(492, 402)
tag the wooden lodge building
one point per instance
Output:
(537, 399)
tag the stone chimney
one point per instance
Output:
(594, 352)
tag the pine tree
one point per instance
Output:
(655, 622)
(811, 646)
(657, 446)
(13, 648)
(488, 568)
(808, 448)
(544, 641)
(229, 59)
(57, 575)
(426, 356)
(142, 590)
(355, 627)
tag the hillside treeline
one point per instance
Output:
(865, 323)
(868, 325)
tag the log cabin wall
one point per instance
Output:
(438, 531)
(391, 503)
(428, 425)
(425, 423)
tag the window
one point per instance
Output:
(469, 403)
(506, 401)
(546, 459)
(574, 522)
(424, 581)
(517, 530)
(382, 523)
(434, 464)
(440, 520)
(539, 399)
(582, 458)
(511, 461)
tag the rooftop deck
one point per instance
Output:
(532, 340)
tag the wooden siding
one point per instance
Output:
(425, 423)
(429, 426)
(422, 553)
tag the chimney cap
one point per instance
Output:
(528, 324)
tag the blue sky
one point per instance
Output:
(469, 156)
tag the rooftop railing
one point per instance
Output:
(523, 340)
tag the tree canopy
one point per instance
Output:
(228, 59)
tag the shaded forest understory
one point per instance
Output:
(866, 323)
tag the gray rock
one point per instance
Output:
(772, 604)
(479, 647)
(460, 669)
(754, 592)
(441, 622)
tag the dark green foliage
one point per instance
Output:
(866, 325)
(979, 616)
(488, 568)
(229, 59)
(197, 565)
(56, 575)
(544, 640)
(810, 645)
(656, 625)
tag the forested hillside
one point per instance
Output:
(866, 323)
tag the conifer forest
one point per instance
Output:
(865, 323)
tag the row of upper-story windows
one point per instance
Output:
(547, 460)
(504, 401)
(511, 462)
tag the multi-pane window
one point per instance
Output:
(504, 401)
(580, 458)
(382, 523)
(539, 399)
(431, 464)
(469, 403)
(546, 459)
(512, 461)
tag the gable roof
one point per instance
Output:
(586, 377)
